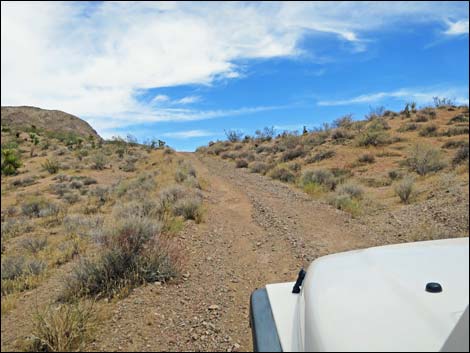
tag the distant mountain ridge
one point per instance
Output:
(26, 117)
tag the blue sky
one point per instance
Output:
(184, 73)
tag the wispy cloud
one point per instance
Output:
(145, 115)
(457, 27)
(421, 96)
(189, 134)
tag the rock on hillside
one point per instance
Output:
(48, 120)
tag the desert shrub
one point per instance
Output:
(282, 174)
(169, 195)
(378, 124)
(295, 167)
(258, 167)
(404, 189)
(455, 144)
(346, 203)
(319, 176)
(342, 134)
(89, 181)
(461, 118)
(128, 166)
(461, 155)
(394, 174)
(353, 190)
(428, 130)
(229, 155)
(168, 150)
(192, 182)
(81, 225)
(34, 244)
(456, 130)
(264, 148)
(61, 177)
(184, 170)
(189, 208)
(13, 267)
(420, 118)
(76, 184)
(292, 154)
(52, 166)
(247, 155)
(63, 328)
(39, 207)
(408, 127)
(13, 227)
(366, 158)
(24, 182)
(266, 134)
(233, 135)
(373, 138)
(343, 122)
(424, 159)
(320, 156)
(122, 268)
(99, 161)
(241, 163)
(71, 197)
(10, 161)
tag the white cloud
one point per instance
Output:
(91, 58)
(160, 98)
(188, 134)
(188, 100)
(419, 95)
(457, 28)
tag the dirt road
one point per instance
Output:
(256, 231)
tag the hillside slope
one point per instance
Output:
(31, 118)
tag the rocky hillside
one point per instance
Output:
(55, 121)
(410, 166)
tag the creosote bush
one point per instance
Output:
(424, 159)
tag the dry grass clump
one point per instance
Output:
(404, 189)
(51, 165)
(429, 130)
(39, 207)
(189, 208)
(320, 156)
(62, 328)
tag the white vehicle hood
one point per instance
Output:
(375, 299)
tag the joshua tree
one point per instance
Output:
(34, 142)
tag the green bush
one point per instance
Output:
(10, 161)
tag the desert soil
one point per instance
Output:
(256, 231)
